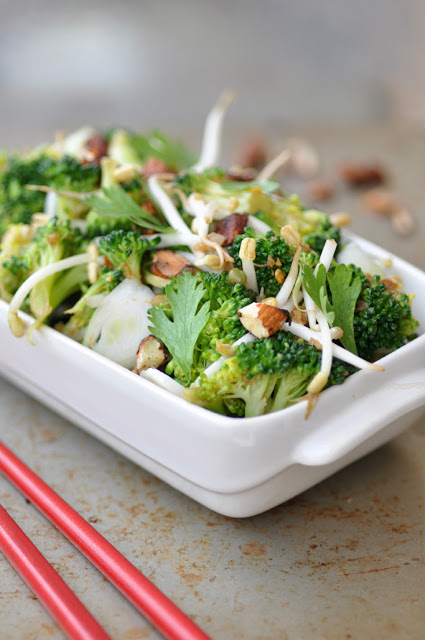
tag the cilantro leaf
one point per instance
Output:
(157, 145)
(114, 202)
(181, 333)
(345, 291)
(315, 285)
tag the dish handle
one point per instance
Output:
(337, 437)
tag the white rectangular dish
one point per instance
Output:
(236, 466)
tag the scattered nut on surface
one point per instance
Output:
(402, 222)
(151, 354)
(262, 320)
(168, 264)
(231, 226)
(380, 201)
(362, 174)
(340, 219)
(253, 152)
(320, 189)
(305, 159)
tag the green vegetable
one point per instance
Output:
(268, 246)
(339, 309)
(180, 333)
(223, 324)
(264, 376)
(157, 145)
(52, 243)
(383, 320)
(125, 250)
(115, 203)
(17, 203)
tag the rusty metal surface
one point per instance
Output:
(345, 560)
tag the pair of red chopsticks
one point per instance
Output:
(62, 604)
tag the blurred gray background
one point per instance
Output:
(163, 63)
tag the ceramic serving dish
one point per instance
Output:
(236, 466)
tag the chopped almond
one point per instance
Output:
(358, 174)
(299, 316)
(168, 264)
(154, 166)
(96, 149)
(262, 320)
(151, 354)
(231, 226)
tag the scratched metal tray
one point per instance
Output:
(237, 467)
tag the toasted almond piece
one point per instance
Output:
(340, 219)
(154, 166)
(290, 235)
(96, 148)
(168, 264)
(253, 152)
(299, 316)
(262, 320)
(231, 226)
(227, 350)
(315, 343)
(270, 301)
(402, 222)
(320, 189)
(151, 354)
(210, 260)
(279, 276)
(125, 173)
(358, 174)
(380, 201)
(159, 299)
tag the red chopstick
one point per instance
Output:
(150, 601)
(62, 604)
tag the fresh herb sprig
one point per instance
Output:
(114, 202)
(181, 333)
(345, 290)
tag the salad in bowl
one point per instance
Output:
(213, 284)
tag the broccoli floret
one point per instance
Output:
(13, 268)
(264, 376)
(53, 242)
(97, 225)
(272, 253)
(323, 231)
(125, 250)
(17, 203)
(224, 325)
(383, 319)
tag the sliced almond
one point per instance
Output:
(262, 320)
(168, 264)
(154, 166)
(151, 354)
(231, 226)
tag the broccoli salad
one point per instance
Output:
(212, 284)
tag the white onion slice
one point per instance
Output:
(119, 325)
